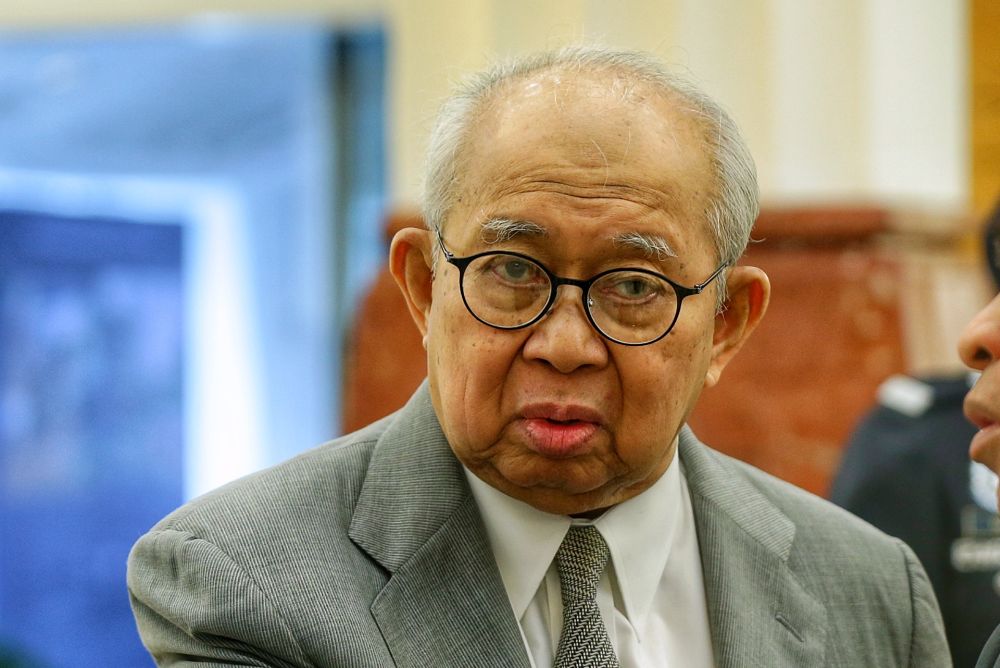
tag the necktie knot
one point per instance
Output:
(584, 642)
(581, 560)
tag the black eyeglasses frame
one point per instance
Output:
(682, 292)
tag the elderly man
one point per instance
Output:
(539, 500)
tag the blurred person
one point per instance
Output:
(906, 470)
(540, 501)
(979, 349)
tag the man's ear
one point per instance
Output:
(749, 293)
(410, 261)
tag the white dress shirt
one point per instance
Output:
(651, 596)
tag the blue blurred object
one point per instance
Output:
(90, 425)
(153, 182)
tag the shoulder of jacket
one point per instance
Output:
(811, 514)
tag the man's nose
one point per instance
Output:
(979, 344)
(564, 338)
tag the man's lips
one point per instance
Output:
(562, 413)
(559, 430)
(985, 446)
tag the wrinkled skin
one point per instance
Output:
(555, 415)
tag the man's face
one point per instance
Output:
(554, 414)
(980, 350)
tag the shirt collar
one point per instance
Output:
(524, 540)
(639, 533)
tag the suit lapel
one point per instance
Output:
(444, 602)
(759, 613)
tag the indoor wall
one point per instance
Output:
(864, 99)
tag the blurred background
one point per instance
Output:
(195, 201)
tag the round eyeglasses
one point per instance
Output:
(629, 306)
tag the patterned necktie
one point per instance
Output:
(584, 642)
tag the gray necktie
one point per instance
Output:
(584, 642)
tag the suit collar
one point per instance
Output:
(444, 602)
(414, 484)
(715, 479)
(759, 612)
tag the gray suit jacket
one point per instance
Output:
(370, 551)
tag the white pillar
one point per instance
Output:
(917, 101)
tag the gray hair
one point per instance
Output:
(732, 209)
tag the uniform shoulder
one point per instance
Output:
(914, 417)
(915, 438)
(918, 396)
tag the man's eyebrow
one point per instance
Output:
(498, 230)
(651, 245)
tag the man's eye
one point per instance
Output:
(634, 287)
(515, 270)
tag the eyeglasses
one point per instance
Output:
(629, 306)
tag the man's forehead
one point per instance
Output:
(595, 83)
(583, 148)
(563, 93)
(590, 143)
